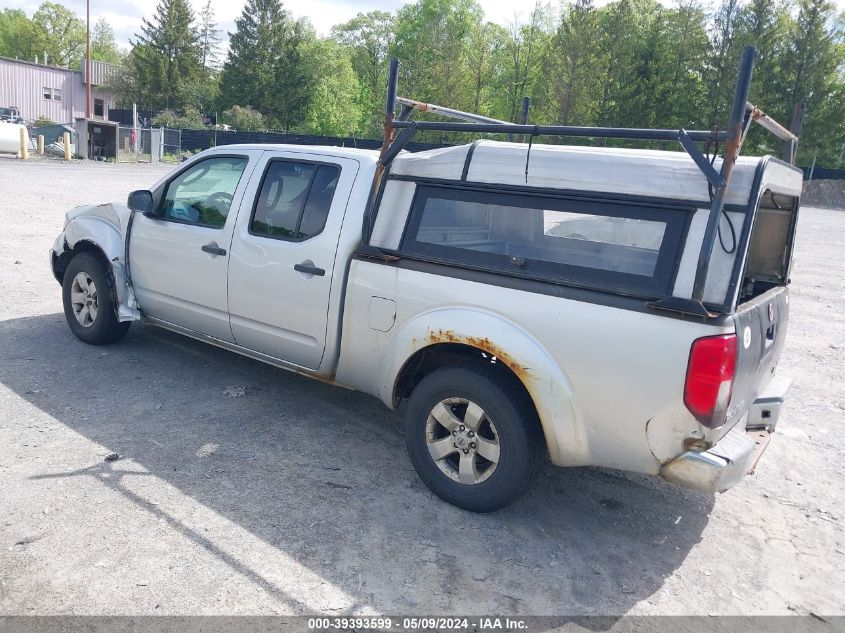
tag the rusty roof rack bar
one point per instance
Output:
(742, 115)
(763, 119)
(457, 114)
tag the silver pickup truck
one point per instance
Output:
(609, 307)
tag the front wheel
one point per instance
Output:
(88, 295)
(473, 437)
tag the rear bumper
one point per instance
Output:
(765, 410)
(736, 453)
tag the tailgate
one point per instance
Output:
(761, 331)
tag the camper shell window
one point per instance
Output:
(628, 247)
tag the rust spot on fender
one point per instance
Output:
(485, 345)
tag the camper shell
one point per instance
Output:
(643, 186)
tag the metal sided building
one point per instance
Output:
(55, 93)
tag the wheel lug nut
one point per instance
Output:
(471, 434)
(466, 452)
(454, 432)
(463, 428)
(472, 445)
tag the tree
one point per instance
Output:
(191, 118)
(242, 118)
(368, 38)
(19, 37)
(572, 62)
(125, 86)
(103, 44)
(812, 66)
(209, 37)
(622, 27)
(432, 40)
(62, 34)
(166, 55)
(686, 46)
(720, 75)
(763, 24)
(264, 69)
(332, 108)
(634, 63)
(520, 60)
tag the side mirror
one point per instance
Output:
(141, 201)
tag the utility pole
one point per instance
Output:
(135, 127)
(88, 101)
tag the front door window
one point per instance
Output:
(203, 194)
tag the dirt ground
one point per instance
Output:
(244, 489)
(824, 193)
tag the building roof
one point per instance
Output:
(37, 64)
(100, 71)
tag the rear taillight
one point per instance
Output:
(710, 378)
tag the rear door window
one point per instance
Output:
(294, 200)
(620, 246)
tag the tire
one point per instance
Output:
(98, 325)
(507, 419)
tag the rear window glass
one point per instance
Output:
(620, 246)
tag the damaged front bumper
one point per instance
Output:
(736, 454)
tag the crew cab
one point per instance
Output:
(524, 299)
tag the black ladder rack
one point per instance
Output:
(732, 138)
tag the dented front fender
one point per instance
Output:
(103, 228)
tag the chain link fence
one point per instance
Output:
(171, 146)
(135, 145)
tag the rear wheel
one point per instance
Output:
(88, 294)
(473, 437)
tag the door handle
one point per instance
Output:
(213, 249)
(309, 269)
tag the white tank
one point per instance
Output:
(10, 137)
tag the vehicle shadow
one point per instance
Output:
(320, 475)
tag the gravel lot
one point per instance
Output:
(297, 497)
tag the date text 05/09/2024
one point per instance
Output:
(417, 624)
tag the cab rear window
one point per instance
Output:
(621, 246)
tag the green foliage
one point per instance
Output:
(19, 36)
(103, 45)
(242, 118)
(433, 39)
(124, 84)
(264, 69)
(332, 109)
(634, 63)
(166, 57)
(369, 40)
(191, 118)
(518, 59)
(42, 120)
(61, 34)
(53, 29)
(209, 36)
